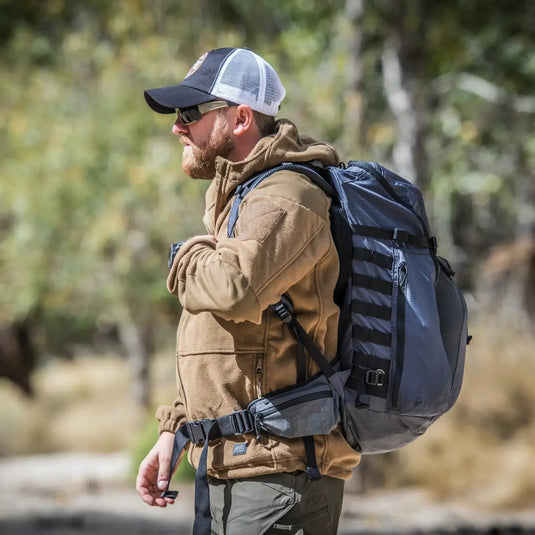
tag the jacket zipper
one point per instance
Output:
(259, 373)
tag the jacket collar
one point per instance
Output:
(285, 145)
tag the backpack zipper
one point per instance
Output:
(312, 396)
(400, 339)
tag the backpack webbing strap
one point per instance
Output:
(364, 334)
(203, 519)
(369, 255)
(312, 471)
(284, 310)
(364, 308)
(241, 191)
(399, 235)
(373, 283)
(375, 172)
(237, 423)
(369, 371)
(181, 439)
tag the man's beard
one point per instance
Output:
(199, 161)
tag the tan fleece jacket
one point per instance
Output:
(230, 349)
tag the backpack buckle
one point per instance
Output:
(375, 377)
(283, 309)
(242, 422)
(195, 431)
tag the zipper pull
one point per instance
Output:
(259, 371)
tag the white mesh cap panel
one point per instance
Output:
(246, 78)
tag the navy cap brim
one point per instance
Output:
(167, 99)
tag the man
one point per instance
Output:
(230, 348)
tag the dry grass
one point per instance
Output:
(482, 451)
(80, 405)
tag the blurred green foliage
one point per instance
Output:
(91, 191)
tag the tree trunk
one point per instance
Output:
(402, 61)
(354, 130)
(520, 293)
(138, 359)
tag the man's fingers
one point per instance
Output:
(164, 465)
(163, 473)
(154, 472)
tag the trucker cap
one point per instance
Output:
(237, 75)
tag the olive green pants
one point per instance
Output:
(276, 504)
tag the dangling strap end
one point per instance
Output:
(313, 474)
(179, 444)
(169, 494)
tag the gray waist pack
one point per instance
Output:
(312, 408)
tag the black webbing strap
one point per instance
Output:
(241, 191)
(374, 336)
(301, 364)
(364, 308)
(373, 283)
(181, 439)
(237, 423)
(370, 372)
(285, 312)
(202, 524)
(399, 235)
(312, 471)
(369, 255)
(312, 350)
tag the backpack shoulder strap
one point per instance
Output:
(243, 189)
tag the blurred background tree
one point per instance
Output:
(91, 191)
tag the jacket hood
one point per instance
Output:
(285, 145)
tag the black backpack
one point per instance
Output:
(402, 335)
(403, 332)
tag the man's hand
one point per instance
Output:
(154, 471)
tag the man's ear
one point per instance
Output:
(242, 120)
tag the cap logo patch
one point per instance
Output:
(196, 65)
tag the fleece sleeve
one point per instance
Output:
(282, 232)
(171, 417)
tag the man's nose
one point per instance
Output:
(179, 129)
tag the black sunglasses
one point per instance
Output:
(194, 113)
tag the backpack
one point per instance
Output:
(402, 331)
(403, 326)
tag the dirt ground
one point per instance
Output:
(89, 494)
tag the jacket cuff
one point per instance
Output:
(170, 419)
(181, 249)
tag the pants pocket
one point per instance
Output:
(316, 522)
(276, 504)
(250, 506)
